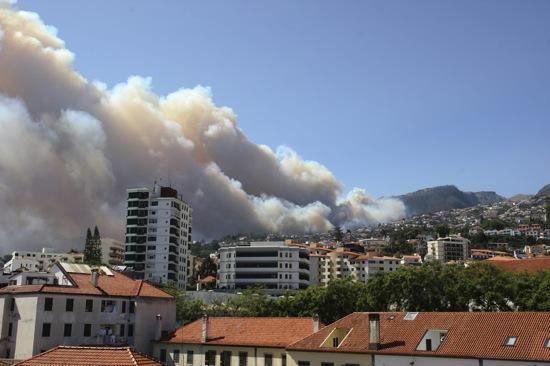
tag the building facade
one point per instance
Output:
(451, 248)
(273, 265)
(112, 252)
(82, 307)
(158, 234)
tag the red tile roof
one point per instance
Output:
(242, 331)
(90, 356)
(470, 335)
(524, 265)
(116, 285)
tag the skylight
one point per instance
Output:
(511, 341)
(547, 345)
(410, 316)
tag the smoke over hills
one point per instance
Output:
(70, 147)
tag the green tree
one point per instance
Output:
(92, 248)
(187, 308)
(207, 268)
(442, 230)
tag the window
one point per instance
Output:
(210, 358)
(123, 308)
(283, 359)
(303, 363)
(87, 330)
(10, 329)
(162, 356)
(130, 330)
(511, 341)
(48, 304)
(327, 363)
(335, 342)
(67, 330)
(122, 330)
(225, 359)
(176, 356)
(69, 305)
(46, 329)
(108, 306)
(243, 358)
(268, 359)
(189, 357)
(12, 305)
(89, 306)
(132, 307)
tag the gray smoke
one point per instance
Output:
(70, 147)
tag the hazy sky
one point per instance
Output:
(392, 96)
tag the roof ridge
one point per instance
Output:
(132, 356)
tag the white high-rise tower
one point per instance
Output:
(158, 234)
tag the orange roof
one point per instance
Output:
(116, 285)
(90, 356)
(208, 279)
(470, 335)
(525, 265)
(242, 331)
(501, 258)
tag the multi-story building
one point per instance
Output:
(76, 306)
(158, 233)
(273, 265)
(229, 341)
(451, 248)
(367, 266)
(40, 261)
(112, 252)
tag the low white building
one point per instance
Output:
(451, 248)
(367, 266)
(39, 261)
(77, 306)
(273, 265)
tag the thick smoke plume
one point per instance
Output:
(69, 148)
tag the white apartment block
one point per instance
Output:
(367, 266)
(39, 261)
(158, 234)
(79, 307)
(273, 265)
(451, 248)
(112, 252)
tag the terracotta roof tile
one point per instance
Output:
(115, 285)
(90, 356)
(470, 335)
(242, 331)
(524, 265)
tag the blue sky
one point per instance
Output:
(392, 96)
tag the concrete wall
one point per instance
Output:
(146, 323)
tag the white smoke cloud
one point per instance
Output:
(70, 147)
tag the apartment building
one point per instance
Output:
(274, 265)
(226, 341)
(451, 248)
(112, 252)
(367, 266)
(430, 338)
(24, 260)
(77, 305)
(158, 234)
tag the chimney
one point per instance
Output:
(94, 278)
(158, 334)
(316, 323)
(204, 333)
(374, 331)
